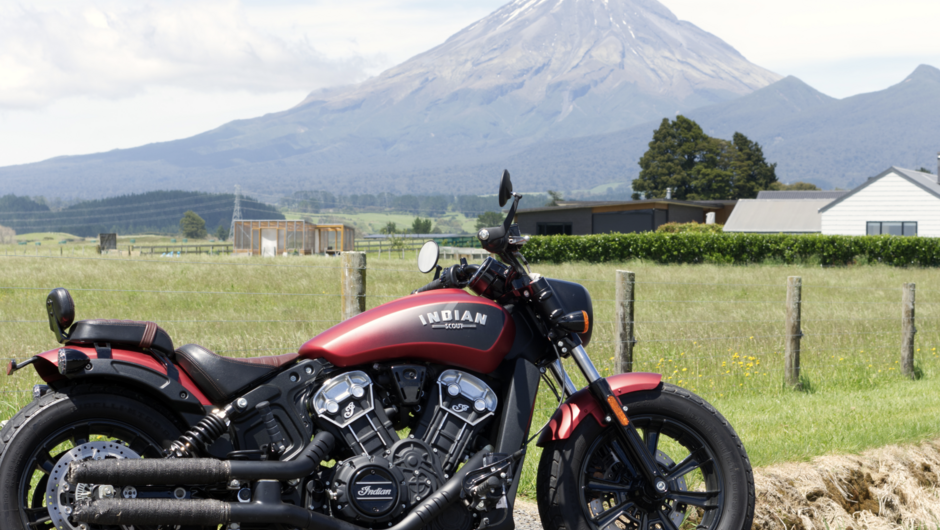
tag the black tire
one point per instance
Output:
(52, 424)
(582, 485)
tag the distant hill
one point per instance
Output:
(812, 137)
(152, 212)
(531, 71)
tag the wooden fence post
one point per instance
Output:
(626, 282)
(907, 330)
(794, 332)
(354, 284)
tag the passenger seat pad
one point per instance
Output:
(224, 378)
(122, 333)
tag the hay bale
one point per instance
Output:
(891, 487)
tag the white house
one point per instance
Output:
(899, 201)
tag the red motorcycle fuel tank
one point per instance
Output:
(447, 326)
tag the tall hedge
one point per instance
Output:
(734, 248)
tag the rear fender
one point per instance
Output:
(137, 371)
(583, 404)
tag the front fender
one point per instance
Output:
(583, 404)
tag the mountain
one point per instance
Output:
(811, 136)
(530, 72)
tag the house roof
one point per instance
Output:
(776, 215)
(924, 181)
(800, 194)
(580, 205)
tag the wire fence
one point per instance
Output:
(715, 337)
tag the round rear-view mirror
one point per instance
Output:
(505, 189)
(428, 256)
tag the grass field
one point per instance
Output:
(374, 222)
(717, 330)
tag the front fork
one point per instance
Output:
(636, 449)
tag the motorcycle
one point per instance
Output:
(413, 415)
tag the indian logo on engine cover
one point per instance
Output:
(455, 319)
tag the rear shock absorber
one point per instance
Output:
(194, 441)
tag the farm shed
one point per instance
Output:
(899, 201)
(601, 217)
(335, 238)
(7, 236)
(275, 238)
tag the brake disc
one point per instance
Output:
(61, 496)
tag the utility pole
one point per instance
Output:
(236, 215)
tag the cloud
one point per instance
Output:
(117, 50)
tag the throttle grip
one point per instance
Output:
(435, 284)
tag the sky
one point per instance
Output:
(83, 76)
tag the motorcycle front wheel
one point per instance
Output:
(34, 440)
(586, 482)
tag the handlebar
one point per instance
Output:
(455, 276)
(435, 284)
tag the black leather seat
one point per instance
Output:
(223, 378)
(122, 333)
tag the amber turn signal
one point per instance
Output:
(618, 411)
(576, 322)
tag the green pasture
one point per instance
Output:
(374, 222)
(717, 330)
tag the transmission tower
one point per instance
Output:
(236, 213)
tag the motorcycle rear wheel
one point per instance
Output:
(584, 482)
(36, 437)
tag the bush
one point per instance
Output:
(735, 248)
(697, 228)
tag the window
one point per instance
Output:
(553, 229)
(892, 228)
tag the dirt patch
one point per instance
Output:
(888, 488)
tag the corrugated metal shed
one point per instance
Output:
(801, 194)
(789, 216)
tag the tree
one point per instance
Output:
(221, 233)
(488, 219)
(695, 166)
(421, 226)
(390, 228)
(192, 225)
(751, 172)
(922, 169)
(553, 198)
(676, 148)
(796, 186)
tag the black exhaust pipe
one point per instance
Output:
(265, 507)
(170, 471)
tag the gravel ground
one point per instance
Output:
(526, 515)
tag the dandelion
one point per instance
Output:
(841, 359)
(752, 337)
(611, 358)
(684, 369)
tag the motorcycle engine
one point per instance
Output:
(385, 475)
